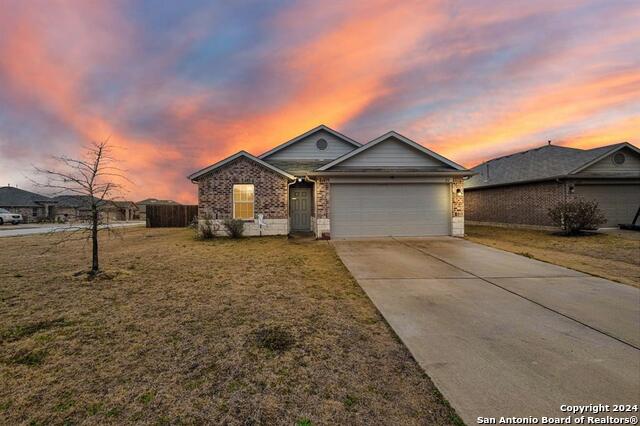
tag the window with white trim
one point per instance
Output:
(243, 201)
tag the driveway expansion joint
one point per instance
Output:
(487, 280)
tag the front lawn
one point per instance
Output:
(608, 256)
(256, 331)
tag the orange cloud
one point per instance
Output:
(333, 63)
(555, 106)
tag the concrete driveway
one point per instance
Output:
(501, 334)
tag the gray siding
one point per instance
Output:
(608, 167)
(391, 153)
(305, 149)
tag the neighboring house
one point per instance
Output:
(33, 207)
(520, 188)
(142, 205)
(78, 207)
(119, 210)
(73, 208)
(329, 184)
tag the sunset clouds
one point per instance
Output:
(179, 86)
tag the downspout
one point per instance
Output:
(289, 206)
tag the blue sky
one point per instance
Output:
(178, 85)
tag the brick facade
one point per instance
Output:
(322, 196)
(215, 190)
(525, 204)
(28, 213)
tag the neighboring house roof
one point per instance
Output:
(148, 201)
(310, 132)
(74, 201)
(124, 204)
(11, 196)
(84, 202)
(538, 164)
(384, 138)
(235, 156)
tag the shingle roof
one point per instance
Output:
(297, 167)
(11, 196)
(76, 201)
(148, 201)
(195, 176)
(546, 162)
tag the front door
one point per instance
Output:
(300, 209)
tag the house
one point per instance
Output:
(73, 208)
(520, 188)
(78, 207)
(33, 207)
(118, 211)
(142, 205)
(327, 183)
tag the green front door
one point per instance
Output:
(300, 209)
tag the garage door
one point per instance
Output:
(618, 202)
(378, 210)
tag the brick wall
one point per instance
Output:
(27, 213)
(525, 204)
(215, 190)
(322, 194)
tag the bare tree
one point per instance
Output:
(95, 178)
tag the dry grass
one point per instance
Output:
(607, 256)
(256, 331)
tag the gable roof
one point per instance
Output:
(542, 163)
(12, 196)
(308, 133)
(199, 173)
(387, 136)
(298, 167)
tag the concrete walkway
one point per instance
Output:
(501, 334)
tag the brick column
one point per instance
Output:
(457, 207)
(323, 225)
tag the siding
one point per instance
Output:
(305, 149)
(391, 153)
(607, 166)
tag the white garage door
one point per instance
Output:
(618, 202)
(379, 210)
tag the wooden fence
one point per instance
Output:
(167, 216)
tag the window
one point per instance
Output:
(618, 158)
(321, 144)
(243, 201)
(34, 211)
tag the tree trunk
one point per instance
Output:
(94, 239)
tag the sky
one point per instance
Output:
(176, 86)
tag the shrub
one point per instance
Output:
(208, 229)
(234, 227)
(576, 215)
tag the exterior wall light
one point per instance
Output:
(458, 192)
